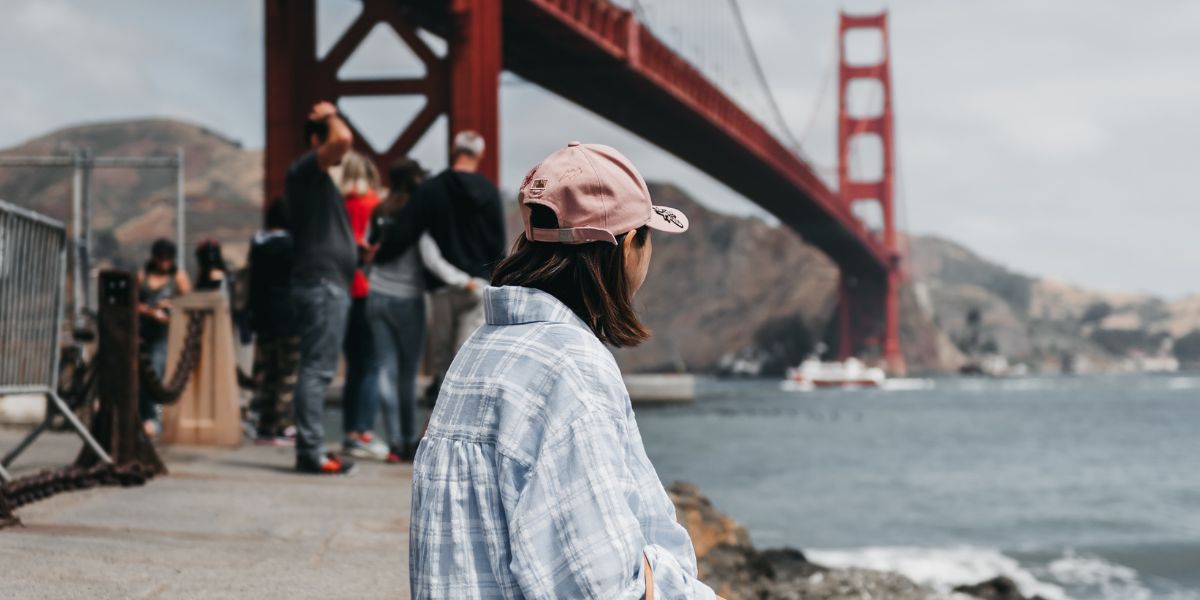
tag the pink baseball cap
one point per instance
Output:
(596, 194)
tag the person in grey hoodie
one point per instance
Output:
(461, 211)
(396, 311)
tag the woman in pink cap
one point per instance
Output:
(531, 481)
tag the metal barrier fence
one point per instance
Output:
(33, 261)
(32, 268)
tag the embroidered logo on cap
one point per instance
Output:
(536, 187)
(668, 216)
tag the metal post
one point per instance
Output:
(117, 425)
(79, 289)
(180, 210)
(86, 260)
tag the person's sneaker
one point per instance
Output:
(269, 438)
(330, 465)
(355, 448)
(402, 454)
(364, 447)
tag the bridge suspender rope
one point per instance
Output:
(777, 114)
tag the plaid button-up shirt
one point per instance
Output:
(531, 481)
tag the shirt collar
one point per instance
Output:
(513, 305)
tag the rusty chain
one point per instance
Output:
(151, 380)
(32, 488)
(25, 490)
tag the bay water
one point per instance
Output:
(1076, 487)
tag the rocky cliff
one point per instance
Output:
(736, 570)
(1049, 325)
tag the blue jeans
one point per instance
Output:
(398, 330)
(360, 397)
(321, 313)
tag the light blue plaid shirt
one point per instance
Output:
(532, 481)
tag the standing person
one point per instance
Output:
(212, 274)
(324, 258)
(360, 396)
(532, 481)
(462, 212)
(159, 281)
(396, 312)
(277, 348)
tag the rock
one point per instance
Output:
(728, 561)
(709, 527)
(849, 584)
(997, 588)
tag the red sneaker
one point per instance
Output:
(330, 465)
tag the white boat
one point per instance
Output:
(815, 374)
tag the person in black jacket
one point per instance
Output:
(461, 210)
(277, 350)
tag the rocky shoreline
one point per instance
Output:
(730, 563)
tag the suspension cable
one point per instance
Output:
(761, 76)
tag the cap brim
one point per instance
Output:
(668, 220)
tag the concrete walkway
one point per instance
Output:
(223, 524)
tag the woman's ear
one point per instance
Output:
(637, 259)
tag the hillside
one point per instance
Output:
(1048, 325)
(132, 207)
(733, 291)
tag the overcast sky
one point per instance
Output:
(1051, 136)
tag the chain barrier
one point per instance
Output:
(151, 380)
(78, 390)
(32, 488)
(246, 382)
(116, 449)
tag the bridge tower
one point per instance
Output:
(869, 307)
(464, 85)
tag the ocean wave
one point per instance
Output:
(1066, 577)
(941, 568)
(1095, 577)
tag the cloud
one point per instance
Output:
(1053, 136)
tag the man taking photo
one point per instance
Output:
(322, 267)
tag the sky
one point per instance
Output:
(1052, 137)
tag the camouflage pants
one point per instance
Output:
(275, 363)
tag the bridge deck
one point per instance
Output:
(599, 57)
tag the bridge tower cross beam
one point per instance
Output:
(464, 85)
(869, 308)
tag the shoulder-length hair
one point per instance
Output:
(359, 174)
(591, 279)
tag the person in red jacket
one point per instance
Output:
(360, 396)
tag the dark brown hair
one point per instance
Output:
(405, 176)
(589, 278)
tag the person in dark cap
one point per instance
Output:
(159, 280)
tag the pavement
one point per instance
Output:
(222, 524)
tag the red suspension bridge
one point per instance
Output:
(610, 60)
